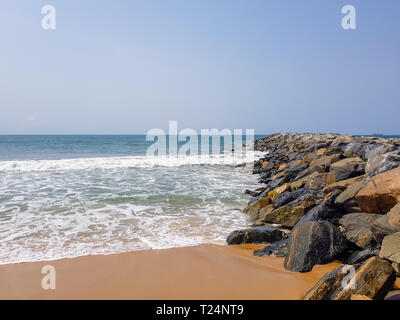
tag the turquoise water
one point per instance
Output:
(68, 196)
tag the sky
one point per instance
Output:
(125, 67)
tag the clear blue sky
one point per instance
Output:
(123, 67)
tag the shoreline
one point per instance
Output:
(200, 272)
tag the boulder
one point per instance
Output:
(393, 295)
(360, 256)
(286, 197)
(325, 161)
(301, 182)
(279, 190)
(313, 243)
(394, 215)
(347, 168)
(321, 152)
(381, 193)
(287, 215)
(391, 247)
(346, 200)
(254, 208)
(381, 228)
(262, 234)
(319, 181)
(307, 171)
(277, 249)
(373, 279)
(342, 184)
(324, 211)
(358, 226)
(380, 162)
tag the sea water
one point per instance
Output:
(68, 196)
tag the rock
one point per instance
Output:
(360, 256)
(254, 208)
(396, 284)
(342, 184)
(394, 215)
(313, 243)
(391, 247)
(279, 190)
(282, 166)
(347, 168)
(358, 227)
(393, 295)
(277, 249)
(359, 297)
(308, 159)
(381, 228)
(301, 182)
(319, 181)
(288, 216)
(381, 193)
(373, 279)
(396, 267)
(262, 234)
(380, 162)
(325, 161)
(307, 171)
(266, 165)
(321, 152)
(286, 197)
(323, 211)
(346, 200)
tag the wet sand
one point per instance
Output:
(200, 272)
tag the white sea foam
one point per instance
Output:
(125, 162)
(68, 208)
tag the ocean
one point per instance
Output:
(69, 196)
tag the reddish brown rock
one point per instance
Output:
(380, 194)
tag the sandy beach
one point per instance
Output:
(200, 272)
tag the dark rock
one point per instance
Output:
(277, 249)
(373, 279)
(358, 227)
(262, 234)
(288, 196)
(381, 228)
(324, 211)
(360, 256)
(313, 243)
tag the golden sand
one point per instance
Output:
(200, 272)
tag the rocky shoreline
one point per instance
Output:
(330, 197)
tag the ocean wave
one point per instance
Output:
(125, 162)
